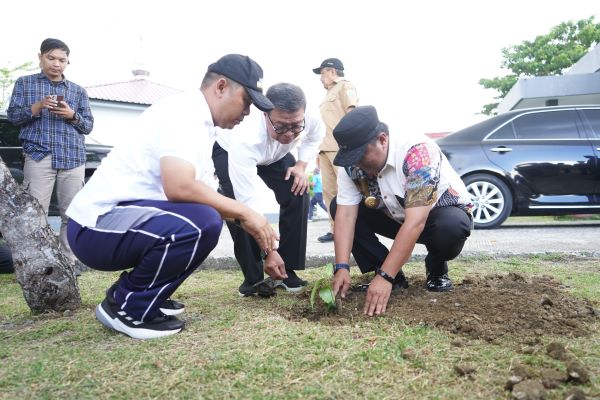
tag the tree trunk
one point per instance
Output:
(44, 273)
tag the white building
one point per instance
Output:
(116, 105)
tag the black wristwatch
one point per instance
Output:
(385, 275)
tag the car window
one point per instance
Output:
(547, 125)
(506, 132)
(593, 118)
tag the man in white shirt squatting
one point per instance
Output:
(264, 149)
(150, 206)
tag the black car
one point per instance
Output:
(12, 155)
(542, 161)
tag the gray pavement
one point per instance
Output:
(514, 237)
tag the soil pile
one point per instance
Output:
(482, 307)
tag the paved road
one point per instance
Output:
(512, 238)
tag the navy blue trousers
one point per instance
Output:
(162, 242)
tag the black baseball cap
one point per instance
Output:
(353, 133)
(247, 73)
(329, 63)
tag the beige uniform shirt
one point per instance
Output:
(339, 97)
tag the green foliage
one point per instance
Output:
(546, 55)
(323, 288)
(8, 76)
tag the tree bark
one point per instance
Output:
(44, 273)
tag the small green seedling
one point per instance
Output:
(323, 287)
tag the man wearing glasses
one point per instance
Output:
(264, 149)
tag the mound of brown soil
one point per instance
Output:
(486, 307)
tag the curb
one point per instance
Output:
(230, 263)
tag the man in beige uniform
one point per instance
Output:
(340, 99)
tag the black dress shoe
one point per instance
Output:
(328, 237)
(439, 283)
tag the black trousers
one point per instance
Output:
(444, 235)
(292, 217)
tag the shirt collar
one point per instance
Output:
(391, 156)
(64, 81)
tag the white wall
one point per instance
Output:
(112, 121)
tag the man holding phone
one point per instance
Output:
(53, 114)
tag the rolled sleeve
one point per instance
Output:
(348, 194)
(85, 119)
(243, 159)
(19, 111)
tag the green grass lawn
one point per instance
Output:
(247, 348)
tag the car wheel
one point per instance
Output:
(492, 200)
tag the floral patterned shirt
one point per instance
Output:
(416, 174)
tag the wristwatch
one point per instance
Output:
(338, 266)
(263, 254)
(385, 275)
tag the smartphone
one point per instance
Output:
(60, 98)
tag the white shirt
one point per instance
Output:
(250, 144)
(131, 171)
(431, 171)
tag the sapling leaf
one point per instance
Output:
(323, 288)
(326, 294)
(329, 267)
(315, 289)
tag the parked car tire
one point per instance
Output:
(492, 200)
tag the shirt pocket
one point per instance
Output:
(330, 103)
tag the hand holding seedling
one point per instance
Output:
(341, 283)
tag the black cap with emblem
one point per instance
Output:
(353, 133)
(329, 63)
(247, 73)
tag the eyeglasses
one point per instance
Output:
(281, 129)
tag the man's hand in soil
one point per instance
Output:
(341, 283)
(378, 295)
(274, 266)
